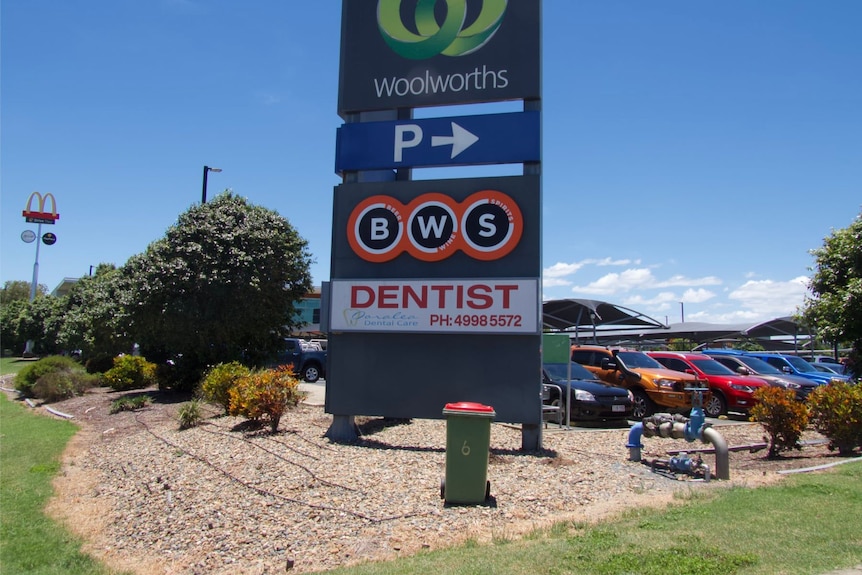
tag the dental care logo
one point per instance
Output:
(449, 38)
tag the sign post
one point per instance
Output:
(39, 217)
(435, 290)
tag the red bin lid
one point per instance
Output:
(469, 406)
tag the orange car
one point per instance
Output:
(654, 387)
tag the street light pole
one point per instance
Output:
(682, 312)
(204, 192)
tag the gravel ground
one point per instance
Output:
(219, 498)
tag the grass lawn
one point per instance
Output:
(29, 457)
(809, 524)
(13, 364)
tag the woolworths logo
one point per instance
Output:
(449, 38)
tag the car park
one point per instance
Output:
(796, 366)
(589, 398)
(729, 391)
(653, 386)
(826, 368)
(748, 365)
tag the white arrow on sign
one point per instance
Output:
(460, 140)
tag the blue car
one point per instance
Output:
(748, 365)
(794, 365)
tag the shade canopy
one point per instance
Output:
(575, 315)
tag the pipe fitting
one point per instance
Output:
(722, 453)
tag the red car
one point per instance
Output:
(730, 391)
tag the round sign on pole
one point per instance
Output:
(49, 239)
(28, 236)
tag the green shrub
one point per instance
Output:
(130, 372)
(130, 403)
(219, 380)
(63, 384)
(836, 412)
(782, 416)
(27, 377)
(190, 414)
(265, 394)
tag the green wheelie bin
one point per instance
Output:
(468, 438)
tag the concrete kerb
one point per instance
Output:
(316, 392)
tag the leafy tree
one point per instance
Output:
(96, 320)
(222, 285)
(17, 290)
(41, 321)
(14, 300)
(834, 307)
(11, 314)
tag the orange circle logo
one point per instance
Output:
(486, 226)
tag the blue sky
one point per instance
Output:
(692, 151)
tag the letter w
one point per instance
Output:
(432, 224)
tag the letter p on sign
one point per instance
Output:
(402, 141)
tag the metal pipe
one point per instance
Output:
(722, 454)
(634, 443)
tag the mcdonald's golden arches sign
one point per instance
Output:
(41, 216)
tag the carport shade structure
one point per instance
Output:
(572, 315)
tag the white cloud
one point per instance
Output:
(643, 278)
(660, 301)
(560, 269)
(628, 280)
(770, 297)
(609, 262)
(681, 281)
(549, 282)
(697, 295)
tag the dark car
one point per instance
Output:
(730, 390)
(748, 365)
(590, 398)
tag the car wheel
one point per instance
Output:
(311, 373)
(716, 405)
(642, 406)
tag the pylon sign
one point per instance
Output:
(40, 215)
(415, 53)
(435, 282)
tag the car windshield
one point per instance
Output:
(558, 371)
(634, 359)
(760, 366)
(711, 367)
(800, 364)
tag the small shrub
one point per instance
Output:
(99, 363)
(836, 412)
(130, 403)
(27, 377)
(219, 380)
(782, 416)
(59, 385)
(190, 414)
(265, 394)
(130, 372)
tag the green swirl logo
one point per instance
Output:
(449, 38)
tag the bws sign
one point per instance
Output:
(486, 226)
(474, 227)
(414, 53)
